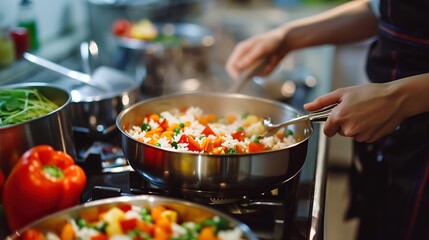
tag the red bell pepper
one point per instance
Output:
(42, 182)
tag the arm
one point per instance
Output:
(370, 111)
(335, 26)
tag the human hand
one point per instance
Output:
(365, 112)
(268, 46)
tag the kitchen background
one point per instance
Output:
(63, 24)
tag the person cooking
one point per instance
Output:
(388, 117)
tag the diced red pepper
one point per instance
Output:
(239, 136)
(164, 124)
(32, 234)
(128, 224)
(208, 131)
(256, 147)
(125, 207)
(194, 145)
(100, 236)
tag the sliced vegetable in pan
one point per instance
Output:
(131, 221)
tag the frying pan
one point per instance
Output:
(223, 175)
(187, 211)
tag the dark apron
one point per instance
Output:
(390, 178)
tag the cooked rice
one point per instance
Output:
(251, 126)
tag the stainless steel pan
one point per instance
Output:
(215, 175)
(187, 212)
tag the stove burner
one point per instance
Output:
(268, 214)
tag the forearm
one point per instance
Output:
(411, 94)
(349, 22)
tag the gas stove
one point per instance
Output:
(284, 212)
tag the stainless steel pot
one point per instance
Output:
(187, 211)
(54, 129)
(94, 112)
(215, 175)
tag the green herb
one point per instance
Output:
(20, 105)
(231, 151)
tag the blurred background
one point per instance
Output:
(56, 29)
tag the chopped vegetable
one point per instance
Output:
(133, 223)
(191, 130)
(20, 105)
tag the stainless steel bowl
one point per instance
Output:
(54, 129)
(187, 211)
(223, 175)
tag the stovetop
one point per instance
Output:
(284, 212)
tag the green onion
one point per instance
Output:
(20, 105)
(231, 151)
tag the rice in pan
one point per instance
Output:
(192, 130)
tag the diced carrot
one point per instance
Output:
(211, 117)
(156, 212)
(208, 233)
(164, 223)
(157, 130)
(207, 145)
(168, 135)
(67, 232)
(280, 135)
(231, 118)
(154, 117)
(145, 227)
(89, 214)
(217, 142)
(203, 120)
(218, 150)
(240, 149)
(160, 234)
(173, 126)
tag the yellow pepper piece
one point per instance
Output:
(113, 217)
(170, 215)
